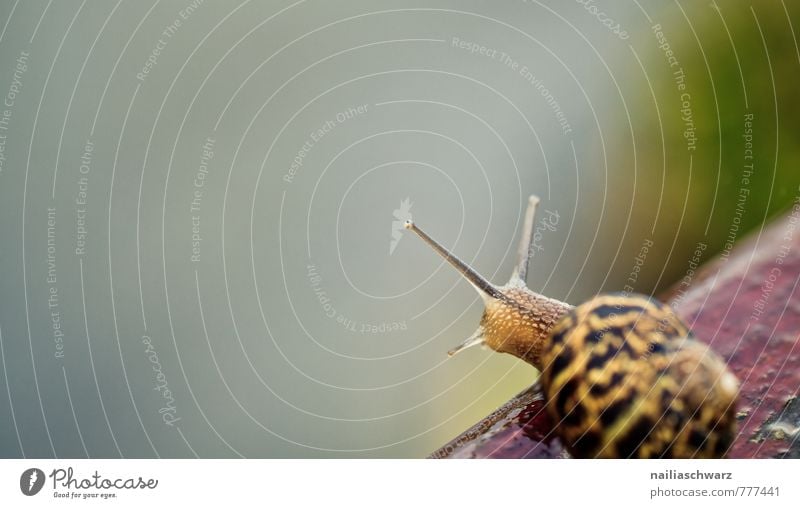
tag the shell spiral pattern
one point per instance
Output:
(624, 378)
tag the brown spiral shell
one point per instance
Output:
(624, 378)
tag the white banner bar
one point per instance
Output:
(401, 483)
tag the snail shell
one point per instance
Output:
(624, 377)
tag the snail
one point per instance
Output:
(622, 375)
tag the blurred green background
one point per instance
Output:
(234, 169)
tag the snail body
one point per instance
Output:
(622, 375)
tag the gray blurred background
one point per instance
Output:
(196, 203)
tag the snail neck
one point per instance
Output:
(519, 323)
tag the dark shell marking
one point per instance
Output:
(623, 378)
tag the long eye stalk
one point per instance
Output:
(484, 287)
